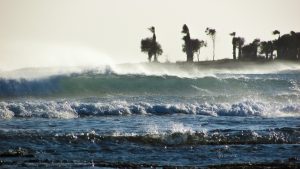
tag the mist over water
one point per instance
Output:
(158, 69)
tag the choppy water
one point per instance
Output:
(83, 117)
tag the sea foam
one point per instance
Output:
(75, 109)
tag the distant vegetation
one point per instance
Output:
(212, 33)
(285, 47)
(191, 46)
(151, 46)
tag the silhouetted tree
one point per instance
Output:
(201, 44)
(276, 32)
(266, 48)
(240, 43)
(234, 43)
(190, 46)
(298, 44)
(271, 49)
(283, 46)
(186, 47)
(255, 44)
(288, 46)
(276, 48)
(212, 33)
(249, 51)
(275, 42)
(151, 46)
(295, 41)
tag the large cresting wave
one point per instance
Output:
(108, 82)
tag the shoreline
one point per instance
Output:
(221, 62)
(235, 62)
(218, 66)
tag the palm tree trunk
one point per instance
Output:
(271, 57)
(155, 58)
(198, 54)
(189, 54)
(189, 57)
(149, 57)
(240, 52)
(234, 52)
(213, 50)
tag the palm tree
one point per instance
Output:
(276, 32)
(240, 44)
(271, 49)
(264, 49)
(201, 44)
(234, 42)
(267, 48)
(190, 46)
(212, 33)
(275, 43)
(151, 46)
(255, 45)
(295, 45)
(186, 47)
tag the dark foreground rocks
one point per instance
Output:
(17, 153)
(25, 158)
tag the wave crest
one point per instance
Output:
(106, 82)
(64, 109)
(173, 138)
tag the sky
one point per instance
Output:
(48, 33)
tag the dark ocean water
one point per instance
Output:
(81, 119)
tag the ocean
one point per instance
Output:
(150, 115)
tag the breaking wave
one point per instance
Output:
(171, 138)
(65, 109)
(94, 84)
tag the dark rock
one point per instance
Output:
(17, 153)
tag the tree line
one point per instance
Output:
(285, 47)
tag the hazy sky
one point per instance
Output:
(38, 33)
